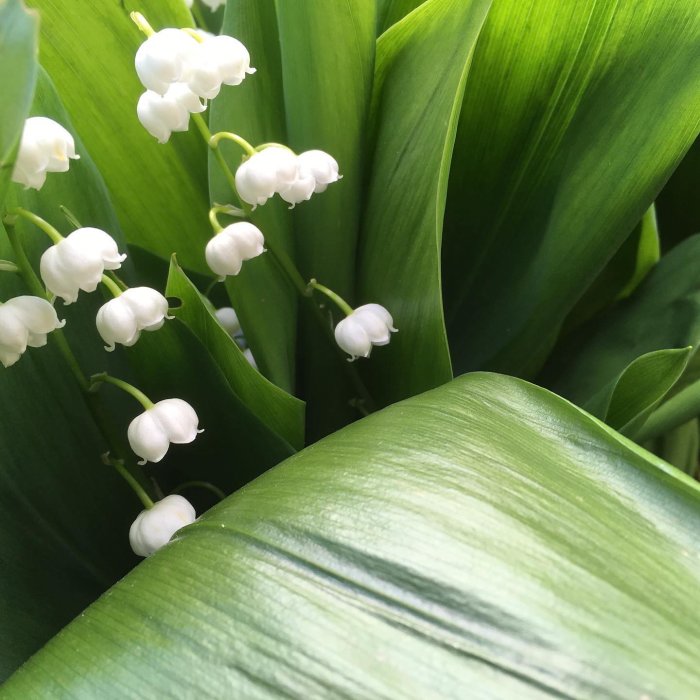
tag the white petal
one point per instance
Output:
(14, 335)
(98, 243)
(322, 166)
(352, 338)
(37, 314)
(177, 419)
(116, 323)
(153, 528)
(148, 305)
(164, 58)
(147, 437)
(228, 318)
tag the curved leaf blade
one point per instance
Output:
(470, 547)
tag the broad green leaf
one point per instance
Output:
(677, 411)
(282, 413)
(391, 11)
(487, 536)
(158, 190)
(575, 115)
(265, 302)
(327, 52)
(663, 313)
(18, 48)
(416, 105)
(648, 251)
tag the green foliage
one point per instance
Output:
(503, 165)
(492, 541)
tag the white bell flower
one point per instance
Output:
(45, 147)
(366, 326)
(170, 420)
(165, 58)
(321, 166)
(24, 322)
(249, 356)
(214, 5)
(226, 252)
(154, 527)
(301, 189)
(137, 309)
(266, 172)
(228, 318)
(78, 262)
(162, 114)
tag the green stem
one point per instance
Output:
(202, 485)
(288, 268)
(97, 379)
(45, 226)
(117, 280)
(196, 11)
(142, 23)
(72, 219)
(131, 480)
(112, 286)
(214, 221)
(198, 119)
(230, 136)
(336, 298)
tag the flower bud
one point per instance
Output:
(321, 166)
(45, 147)
(170, 420)
(228, 249)
(154, 527)
(366, 326)
(228, 318)
(122, 319)
(265, 173)
(161, 115)
(25, 321)
(78, 262)
(249, 356)
(165, 58)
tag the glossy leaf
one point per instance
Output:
(18, 48)
(486, 535)
(282, 413)
(415, 117)
(264, 300)
(559, 152)
(159, 191)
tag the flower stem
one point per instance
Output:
(118, 464)
(230, 136)
(112, 286)
(45, 226)
(336, 298)
(198, 119)
(72, 219)
(97, 379)
(142, 23)
(202, 485)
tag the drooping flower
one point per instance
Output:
(228, 249)
(162, 114)
(78, 262)
(165, 58)
(154, 527)
(25, 322)
(366, 326)
(137, 309)
(168, 421)
(321, 166)
(228, 318)
(218, 60)
(45, 147)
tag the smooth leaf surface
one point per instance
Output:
(88, 50)
(391, 11)
(18, 49)
(282, 413)
(415, 112)
(574, 117)
(264, 300)
(662, 314)
(327, 109)
(496, 538)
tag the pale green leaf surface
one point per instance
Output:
(415, 111)
(389, 12)
(18, 49)
(282, 413)
(496, 538)
(575, 115)
(158, 190)
(265, 302)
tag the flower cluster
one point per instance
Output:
(45, 147)
(278, 170)
(179, 68)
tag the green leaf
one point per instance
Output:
(282, 413)
(416, 106)
(680, 446)
(158, 190)
(574, 117)
(327, 110)
(486, 535)
(18, 48)
(265, 302)
(391, 11)
(663, 313)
